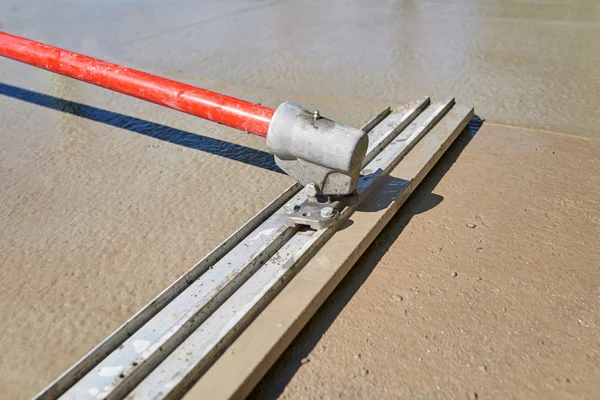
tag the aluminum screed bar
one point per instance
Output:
(226, 110)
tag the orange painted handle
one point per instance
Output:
(226, 110)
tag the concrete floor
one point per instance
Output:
(104, 200)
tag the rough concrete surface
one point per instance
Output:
(105, 200)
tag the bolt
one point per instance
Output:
(316, 115)
(311, 189)
(290, 208)
(327, 212)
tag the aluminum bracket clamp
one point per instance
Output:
(316, 150)
(317, 211)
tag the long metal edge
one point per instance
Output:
(66, 380)
(285, 317)
(411, 141)
(376, 119)
(382, 141)
(184, 374)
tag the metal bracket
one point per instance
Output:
(318, 211)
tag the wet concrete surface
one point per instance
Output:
(104, 199)
(524, 63)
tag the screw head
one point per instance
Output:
(290, 208)
(327, 212)
(311, 189)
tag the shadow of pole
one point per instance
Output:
(217, 147)
(422, 199)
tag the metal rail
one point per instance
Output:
(174, 339)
